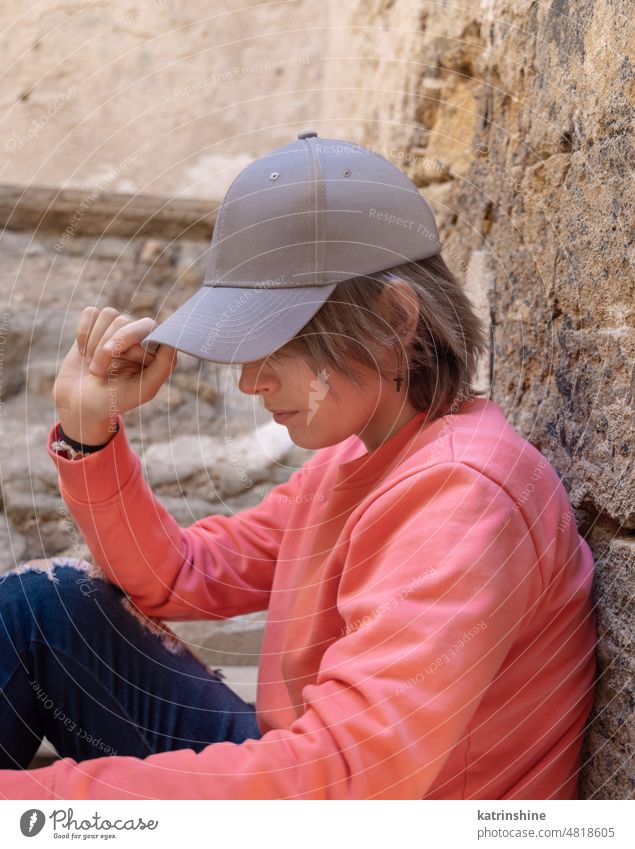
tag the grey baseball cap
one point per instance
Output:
(293, 224)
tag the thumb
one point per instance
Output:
(153, 376)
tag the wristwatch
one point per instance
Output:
(75, 450)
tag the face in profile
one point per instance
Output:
(325, 406)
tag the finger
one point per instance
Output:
(85, 324)
(121, 341)
(131, 361)
(152, 378)
(150, 346)
(102, 358)
(102, 322)
(126, 340)
(122, 345)
(136, 353)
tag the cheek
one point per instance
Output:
(332, 392)
(323, 387)
(307, 380)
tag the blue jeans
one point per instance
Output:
(83, 667)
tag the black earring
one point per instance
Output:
(399, 379)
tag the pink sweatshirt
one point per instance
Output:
(430, 632)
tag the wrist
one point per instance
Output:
(87, 433)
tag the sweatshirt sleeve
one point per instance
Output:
(218, 567)
(436, 581)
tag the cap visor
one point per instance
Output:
(232, 325)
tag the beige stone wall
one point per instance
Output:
(516, 120)
(166, 97)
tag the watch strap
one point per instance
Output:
(78, 446)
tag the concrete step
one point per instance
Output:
(242, 680)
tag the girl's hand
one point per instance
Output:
(107, 372)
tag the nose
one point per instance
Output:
(257, 378)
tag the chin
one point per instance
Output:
(306, 441)
(311, 438)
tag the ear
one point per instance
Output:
(408, 298)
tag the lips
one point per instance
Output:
(280, 418)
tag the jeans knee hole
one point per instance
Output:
(155, 626)
(44, 565)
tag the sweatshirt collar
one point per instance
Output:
(366, 467)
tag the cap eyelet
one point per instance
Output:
(274, 175)
(346, 172)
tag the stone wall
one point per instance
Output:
(516, 120)
(165, 97)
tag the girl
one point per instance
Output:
(430, 632)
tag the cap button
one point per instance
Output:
(307, 134)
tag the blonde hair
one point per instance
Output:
(440, 363)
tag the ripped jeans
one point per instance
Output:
(82, 666)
